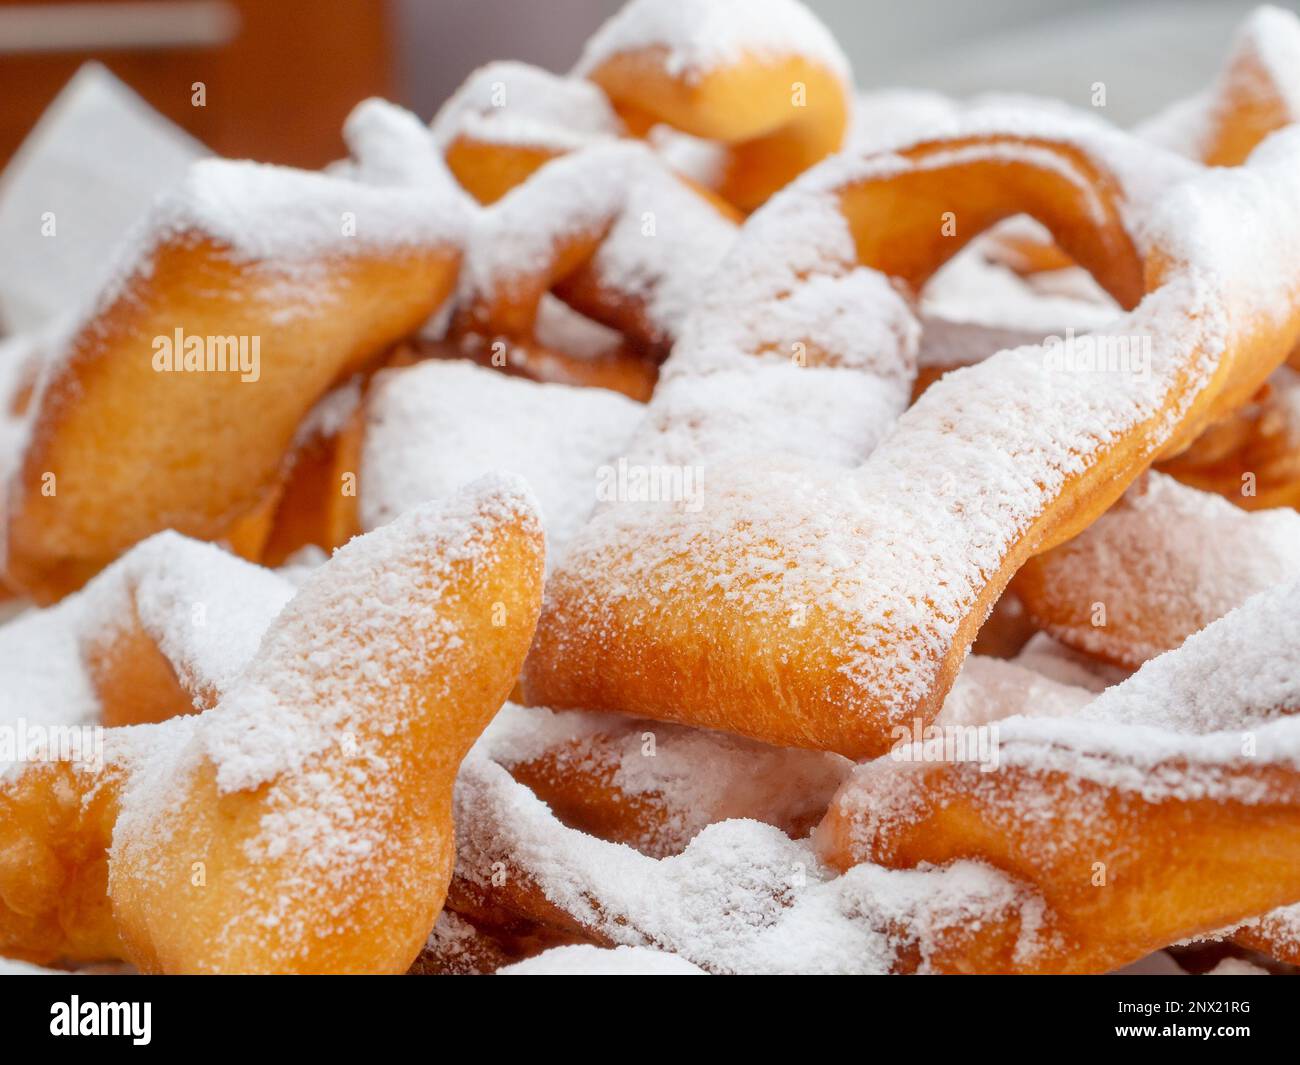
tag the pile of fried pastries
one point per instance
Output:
(690, 516)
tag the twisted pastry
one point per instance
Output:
(1167, 808)
(763, 80)
(655, 787)
(803, 604)
(303, 824)
(251, 290)
(316, 499)
(583, 273)
(1256, 92)
(742, 897)
(730, 896)
(508, 119)
(614, 233)
(1252, 457)
(162, 631)
(335, 469)
(550, 361)
(1276, 933)
(1160, 565)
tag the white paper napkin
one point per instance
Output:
(88, 170)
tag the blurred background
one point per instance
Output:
(280, 75)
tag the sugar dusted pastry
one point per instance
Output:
(823, 606)
(305, 277)
(689, 514)
(302, 824)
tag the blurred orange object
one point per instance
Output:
(277, 78)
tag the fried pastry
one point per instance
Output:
(303, 823)
(1160, 565)
(249, 293)
(1166, 808)
(801, 603)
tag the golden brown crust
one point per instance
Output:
(1121, 876)
(1251, 457)
(1244, 106)
(753, 107)
(191, 888)
(488, 171)
(132, 451)
(706, 655)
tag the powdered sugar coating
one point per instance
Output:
(899, 552)
(703, 35)
(1281, 926)
(791, 347)
(1052, 659)
(1144, 175)
(970, 289)
(1213, 721)
(742, 898)
(391, 147)
(1274, 35)
(517, 104)
(702, 161)
(320, 738)
(45, 680)
(831, 415)
(298, 695)
(989, 689)
(1191, 690)
(658, 239)
(270, 212)
(332, 412)
(691, 777)
(430, 427)
(1262, 68)
(1222, 701)
(456, 948)
(560, 327)
(516, 237)
(289, 222)
(205, 609)
(663, 247)
(1165, 562)
(586, 960)
(719, 866)
(947, 344)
